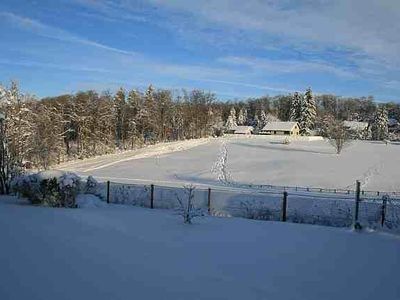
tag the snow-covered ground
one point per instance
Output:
(255, 160)
(120, 252)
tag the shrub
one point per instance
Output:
(256, 210)
(91, 185)
(186, 207)
(54, 189)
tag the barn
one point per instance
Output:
(243, 129)
(281, 128)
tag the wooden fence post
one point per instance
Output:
(284, 207)
(108, 191)
(209, 201)
(152, 196)
(383, 212)
(357, 205)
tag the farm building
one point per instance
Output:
(242, 130)
(281, 128)
(355, 125)
(358, 130)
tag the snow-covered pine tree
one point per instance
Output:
(246, 116)
(257, 124)
(308, 113)
(231, 121)
(242, 117)
(380, 125)
(147, 114)
(163, 104)
(119, 116)
(295, 108)
(263, 118)
(233, 114)
(132, 115)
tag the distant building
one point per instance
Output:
(242, 130)
(355, 125)
(281, 128)
(394, 127)
(358, 130)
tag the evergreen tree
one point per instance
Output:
(295, 108)
(242, 117)
(119, 116)
(263, 118)
(380, 125)
(231, 122)
(308, 113)
(133, 121)
(257, 124)
(147, 114)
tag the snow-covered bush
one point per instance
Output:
(256, 210)
(69, 186)
(89, 201)
(27, 186)
(49, 188)
(186, 207)
(91, 185)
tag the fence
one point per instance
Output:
(298, 205)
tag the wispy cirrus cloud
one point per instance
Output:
(235, 46)
(35, 64)
(287, 66)
(52, 32)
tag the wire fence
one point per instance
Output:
(297, 205)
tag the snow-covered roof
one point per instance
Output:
(243, 129)
(392, 122)
(355, 125)
(280, 126)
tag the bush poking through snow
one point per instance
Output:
(89, 201)
(69, 186)
(91, 185)
(256, 210)
(186, 207)
(54, 189)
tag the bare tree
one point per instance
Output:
(338, 135)
(186, 206)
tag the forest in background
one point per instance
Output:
(44, 132)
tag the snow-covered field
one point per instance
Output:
(120, 252)
(255, 160)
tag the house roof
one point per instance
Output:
(355, 125)
(391, 122)
(280, 126)
(242, 129)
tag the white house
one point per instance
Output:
(358, 130)
(355, 125)
(242, 130)
(281, 128)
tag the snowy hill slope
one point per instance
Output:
(121, 252)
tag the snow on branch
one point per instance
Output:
(186, 207)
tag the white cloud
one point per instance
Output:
(367, 26)
(287, 66)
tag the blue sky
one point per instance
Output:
(234, 48)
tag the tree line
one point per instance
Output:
(42, 132)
